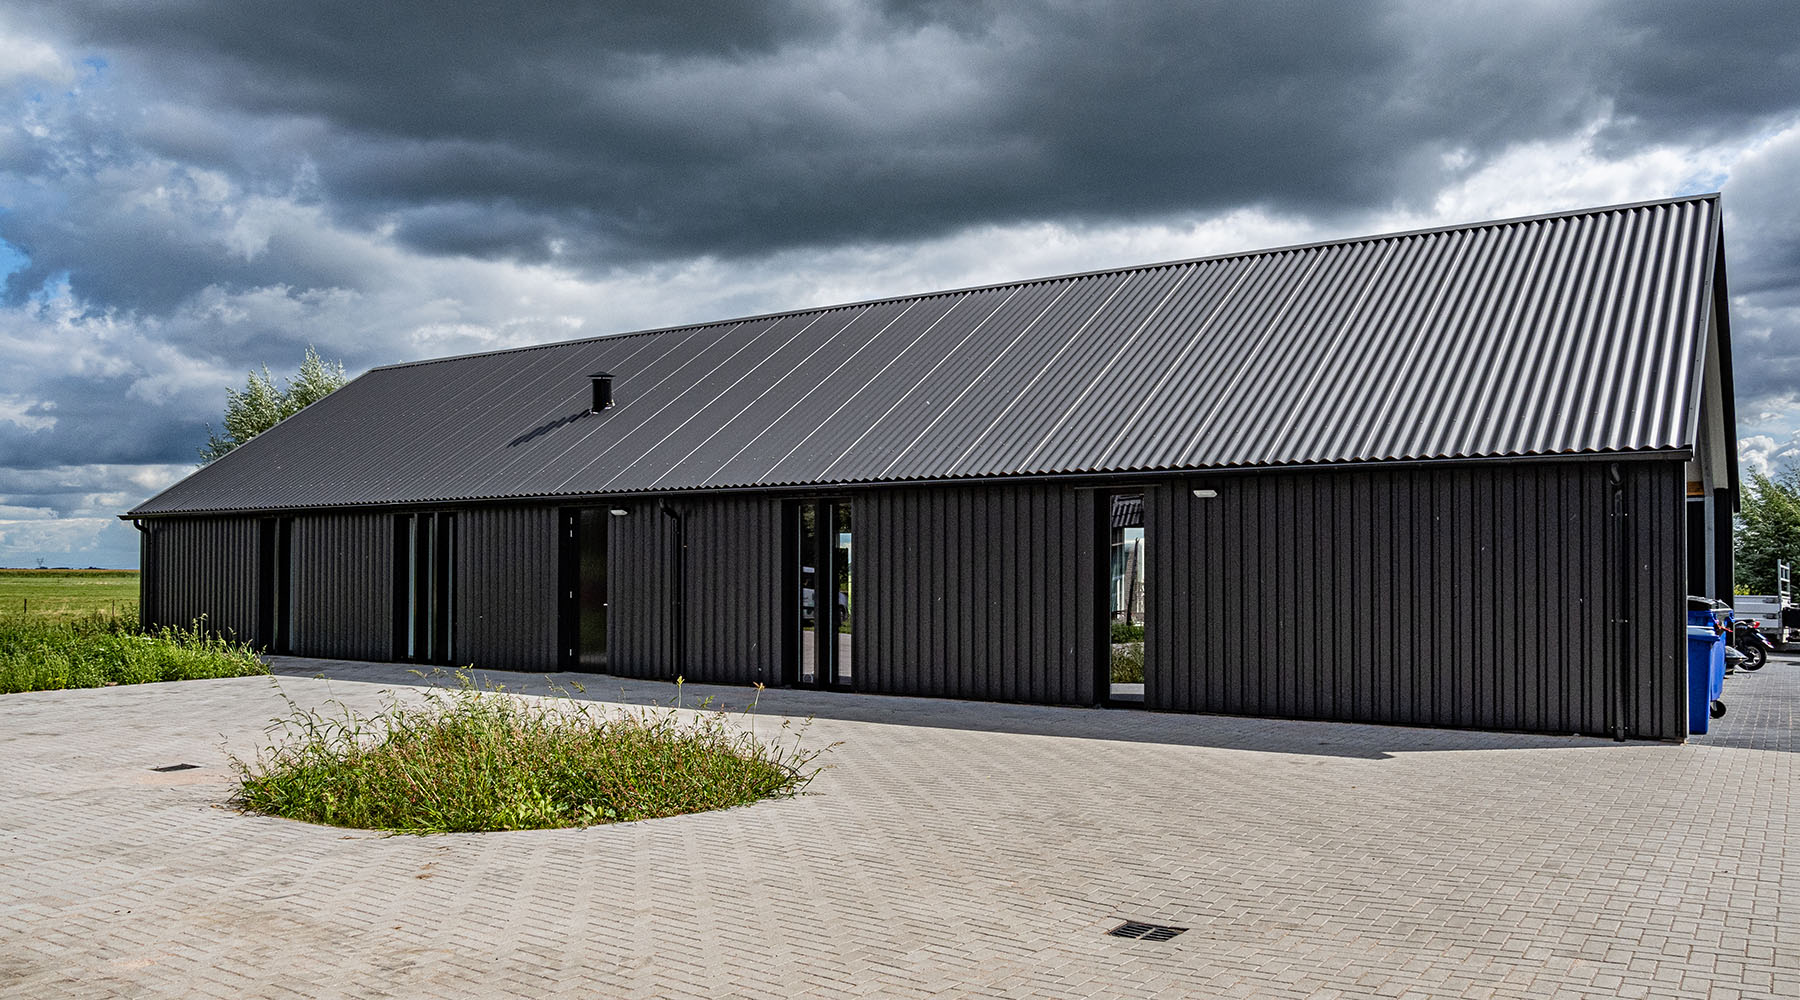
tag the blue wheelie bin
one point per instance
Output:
(1706, 677)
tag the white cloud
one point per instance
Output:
(26, 58)
(14, 410)
(1768, 454)
(74, 541)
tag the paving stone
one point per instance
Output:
(950, 849)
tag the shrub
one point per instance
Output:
(1127, 632)
(43, 654)
(1128, 663)
(473, 760)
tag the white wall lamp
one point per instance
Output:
(619, 512)
(1206, 494)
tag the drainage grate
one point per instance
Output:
(176, 767)
(1145, 932)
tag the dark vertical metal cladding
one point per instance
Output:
(1092, 641)
(733, 600)
(638, 576)
(1655, 498)
(343, 586)
(1434, 597)
(1506, 595)
(202, 572)
(920, 549)
(508, 563)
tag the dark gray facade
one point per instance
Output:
(985, 592)
(1477, 597)
(1436, 478)
(1467, 596)
(202, 570)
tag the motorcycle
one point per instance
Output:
(1749, 640)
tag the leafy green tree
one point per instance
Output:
(262, 404)
(1768, 529)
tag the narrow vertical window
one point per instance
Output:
(425, 587)
(806, 625)
(820, 564)
(843, 607)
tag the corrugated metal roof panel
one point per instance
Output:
(1562, 334)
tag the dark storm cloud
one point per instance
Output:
(193, 188)
(1686, 69)
(605, 135)
(99, 420)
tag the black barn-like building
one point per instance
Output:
(1460, 477)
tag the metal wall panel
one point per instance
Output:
(343, 586)
(1478, 597)
(977, 592)
(725, 555)
(202, 568)
(640, 558)
(506, 588)
(733, 580)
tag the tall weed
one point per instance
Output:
(43, 654)
(470, 759)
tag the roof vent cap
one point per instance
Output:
(602, 391)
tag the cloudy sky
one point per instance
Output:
(192, 189)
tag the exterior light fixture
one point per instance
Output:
(1206, 494)
(619, 512)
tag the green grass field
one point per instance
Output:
(62, 594)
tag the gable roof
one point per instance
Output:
(1579, 332)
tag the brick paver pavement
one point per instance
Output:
(952, 849)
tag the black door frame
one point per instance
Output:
(275, 583)
(1100, 616)
(568, 588)
(573, 542)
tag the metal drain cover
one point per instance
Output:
(1145, 932)
(175, 767)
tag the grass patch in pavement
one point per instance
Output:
(40, 653)
(468, 759)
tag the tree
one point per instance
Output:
(1768, 529)
(262, 404)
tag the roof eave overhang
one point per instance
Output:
(1072, 479)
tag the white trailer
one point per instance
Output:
(1777, 619)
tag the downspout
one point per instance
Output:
(677, 610)
(1621, 618)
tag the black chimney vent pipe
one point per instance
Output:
(602, 391)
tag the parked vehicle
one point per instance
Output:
(1778, 621)
(1749, 640)
(807, 603)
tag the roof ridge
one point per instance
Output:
(1071, 276)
